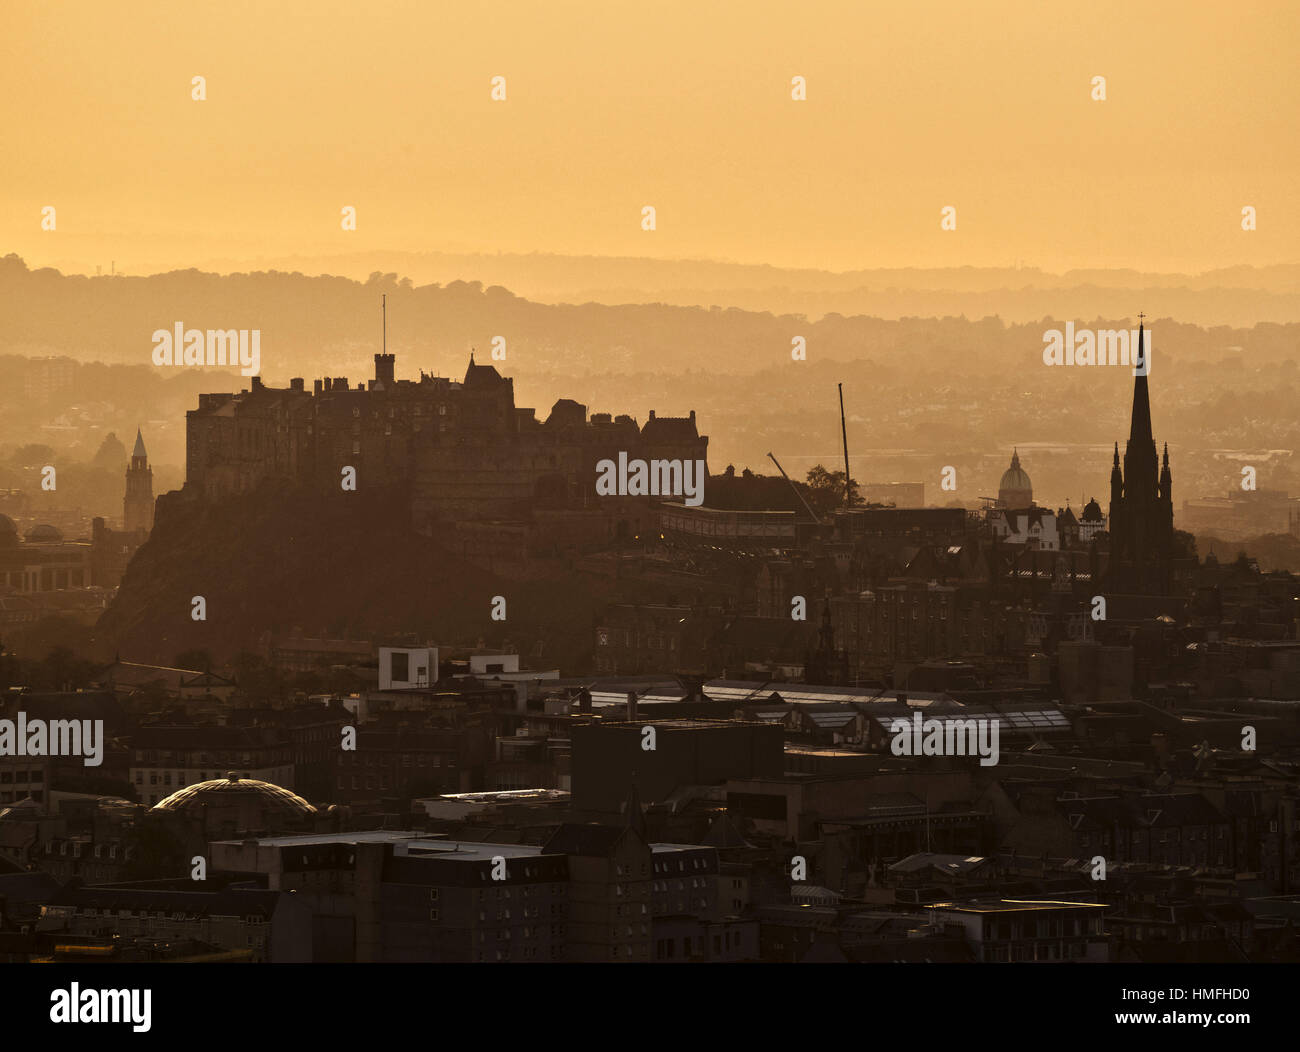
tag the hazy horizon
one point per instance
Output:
(907, 111)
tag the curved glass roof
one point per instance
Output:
(213, 790)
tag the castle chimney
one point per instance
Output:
(257, 383)
(317, 386)
(296, 384)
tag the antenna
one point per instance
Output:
(844, 432)
(385, 309)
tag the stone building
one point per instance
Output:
(460, 450)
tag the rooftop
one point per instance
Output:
(1016, 906)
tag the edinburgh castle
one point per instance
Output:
(460, 451)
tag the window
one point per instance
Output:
(433, 915)
(400, 666)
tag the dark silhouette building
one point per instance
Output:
(137, 505)
(1141, 506)
(458, 450)
(1015, 490)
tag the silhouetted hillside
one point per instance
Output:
(348, 567)
(1239, 295)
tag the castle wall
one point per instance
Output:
(462, 450)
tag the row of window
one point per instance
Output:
(667, 865)
(696, 882)
(182, 779)
(152, 757)
(367, 758)
(109, 851)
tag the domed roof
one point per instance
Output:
(1092, 513)
(229, 790)
(8, 531)
(44, 534)
(1014, 478)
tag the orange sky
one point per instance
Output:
(682, 105)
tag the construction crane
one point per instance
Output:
(796, 489)
(844, 432)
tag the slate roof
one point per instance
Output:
(589, 839)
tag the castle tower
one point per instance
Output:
(1141, 505)
(137, 506)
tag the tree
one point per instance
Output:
(111, 455)
(827, 489)
(32, 455)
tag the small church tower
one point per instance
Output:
(137, 506)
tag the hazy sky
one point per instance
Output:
(685, 106)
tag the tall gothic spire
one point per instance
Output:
(1140, 428)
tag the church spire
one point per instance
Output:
(1140, 428)
(826, 637)
(137, 503)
